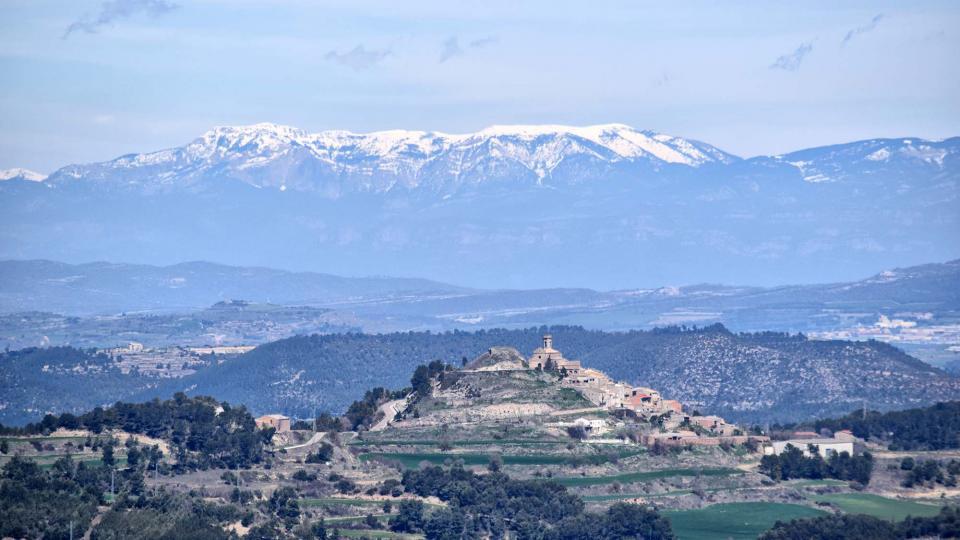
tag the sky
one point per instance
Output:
(88, 80)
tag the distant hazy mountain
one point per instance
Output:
(512, 206)
(112, 288)
(912, 307)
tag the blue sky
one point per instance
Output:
(90, 80)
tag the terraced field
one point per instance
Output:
(412, 460)
(736, 521)
(627, 478)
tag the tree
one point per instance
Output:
(107, 457)
(635, 521)
(409, 517)
(447, 524)
(421, 381)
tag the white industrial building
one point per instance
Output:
(825, 447)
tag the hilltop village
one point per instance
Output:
(623, 400)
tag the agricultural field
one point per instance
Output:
(877, 506)
(645, 476)
(736, 521)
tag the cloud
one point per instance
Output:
(863, 29)
(792, 61)
(451, 47)
(358, 58)
(118, 9)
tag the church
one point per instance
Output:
(548, 358)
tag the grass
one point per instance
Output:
(818, 483)
(627, 478)
(738, 521)
(877, 506)
(333, 501)
(370, 533)
(478, 442)
(350, 519)
(413, 460)
(327, 501)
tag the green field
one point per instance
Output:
(368, 533)
(877, 506)
(333, 501)
(817, 483)
(412, 460)
(627, 478)
(327, 501)
(474, 442)
(738, 521)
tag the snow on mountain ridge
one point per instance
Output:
(21, 174)
(267, 154)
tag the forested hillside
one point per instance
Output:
(748, 377)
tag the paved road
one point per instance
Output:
(317, 437)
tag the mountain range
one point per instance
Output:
(604, 206)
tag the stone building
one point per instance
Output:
(277, 421)
(546, 357)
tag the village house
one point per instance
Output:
(279, 422)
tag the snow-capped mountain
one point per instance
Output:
(21, 174)
(872, 157)
(335, 162)
(606, 206)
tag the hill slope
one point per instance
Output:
(752, 377)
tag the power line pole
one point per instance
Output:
(113, 474)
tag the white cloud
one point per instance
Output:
(358, 58)
(792, 61)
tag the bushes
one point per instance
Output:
(833, 527)
(862, 527)
(322, 455)
(204, 432)
(491, 504)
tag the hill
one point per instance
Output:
(743, 377)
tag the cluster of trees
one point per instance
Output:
(67, 379)
(422, 379)
(862, 527)
(792, 463)
(930, 471)
(931, 428)
(490, 505)
(166, 516)
(363, 413)
(202, 432)
(37, 503)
